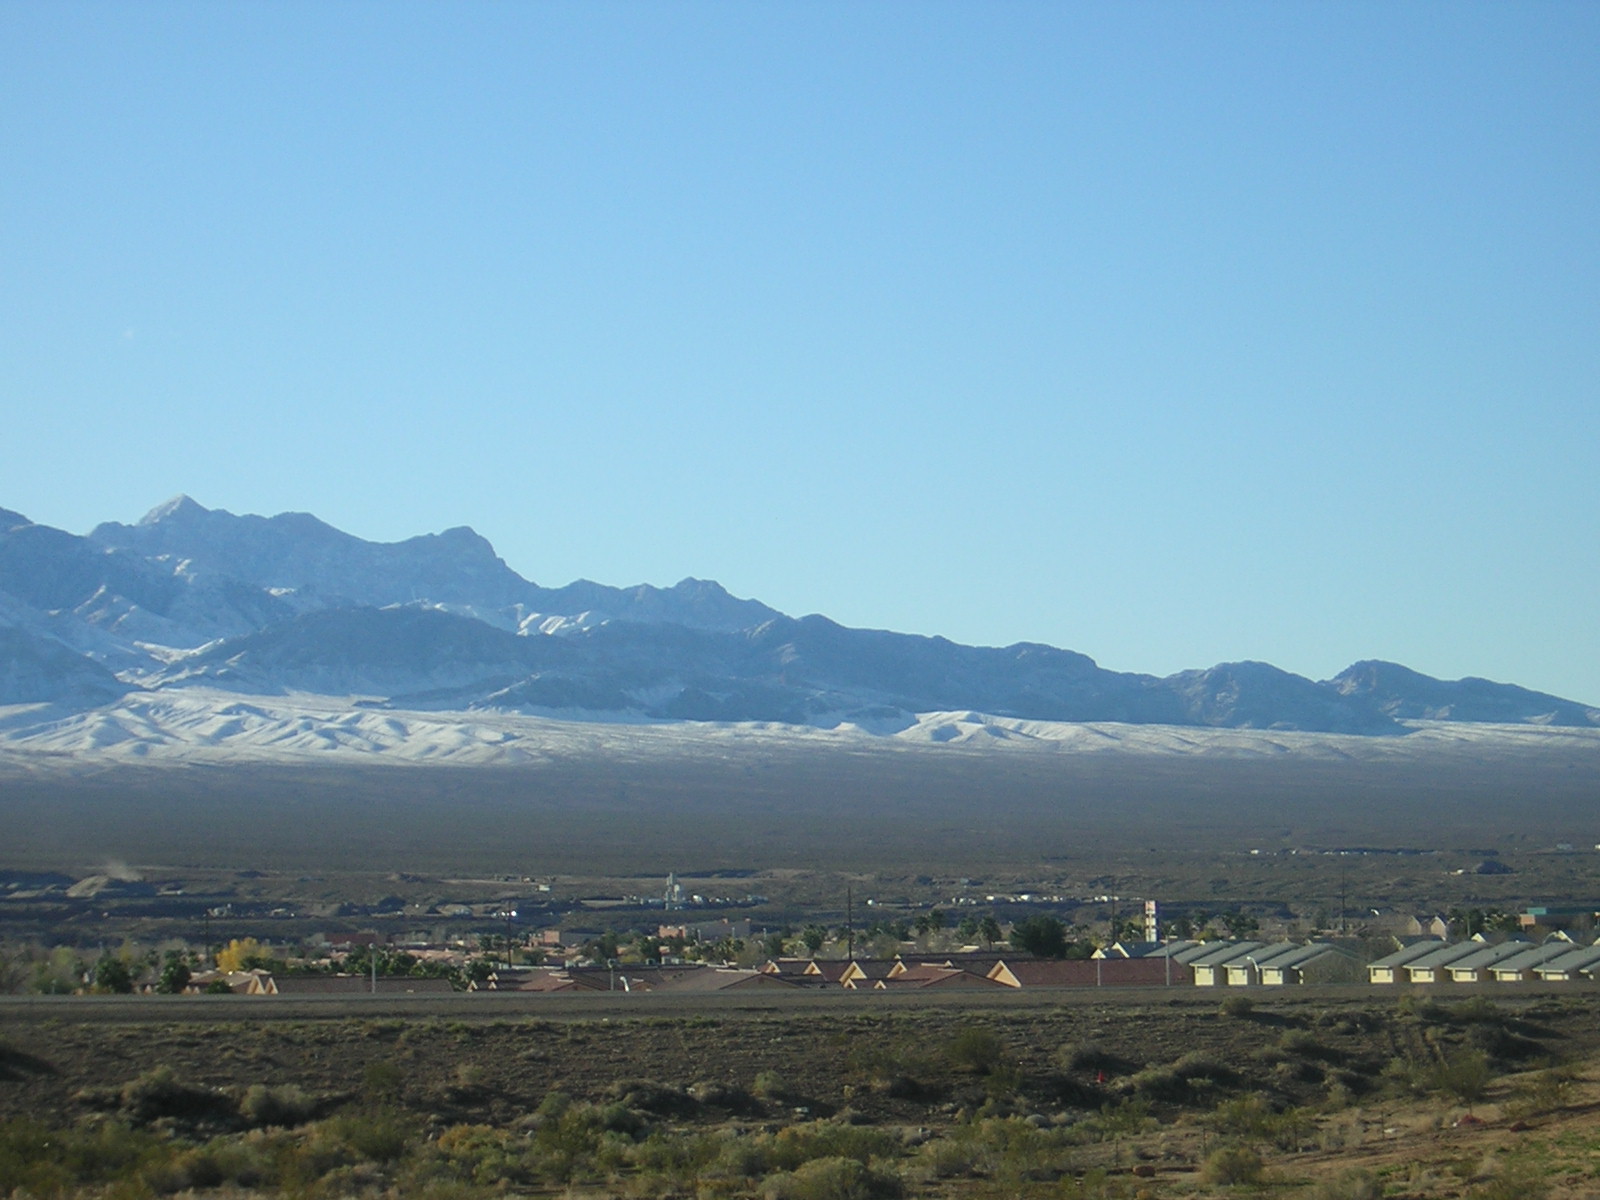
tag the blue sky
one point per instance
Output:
(1169, 333)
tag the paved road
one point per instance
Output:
(471, 1006)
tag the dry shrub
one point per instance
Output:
(286, 1105)
(832, 1179)
(1356, 1184)
(975, 1050)
(160, 1093)
(1230, 1165)
(1090, 1056)
(1238, 1006)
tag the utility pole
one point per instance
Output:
(1344, 875)
(850, 923)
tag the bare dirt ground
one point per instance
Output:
(1170, 1065)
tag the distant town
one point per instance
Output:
(689, 947)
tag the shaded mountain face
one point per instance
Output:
(1254, 695)
(38, 670)
(1409, 695)
(796, 671)
(195, 597)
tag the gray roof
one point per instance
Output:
(1532, 956)
(1299, 956)
(1443, 955)
(1576, 958)
(1146, 949)
(1221, 953)
(1190, 951)
(1278, 953)
(1409, 953)
(1487, 956)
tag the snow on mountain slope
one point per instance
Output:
(206, 727)
(362, 651)
(197, 598)
(297, 554)
(34, 669)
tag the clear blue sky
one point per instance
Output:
(1170, 333)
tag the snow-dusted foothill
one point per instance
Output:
(146, 639)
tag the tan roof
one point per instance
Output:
(720, 979)
(1085, 972)
(930, 975)
(865, 970)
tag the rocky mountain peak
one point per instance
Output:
(179, 509)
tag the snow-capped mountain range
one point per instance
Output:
(193, 609)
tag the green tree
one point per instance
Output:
(1464, 1075)
(1240, 924)
(814, 936)
(1127, 929)
(174, 976)
(111, 974)
(1469, 921)
(603, 948)
(989, 930)
(1042, 935)
(60, 974)
(390, 962)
